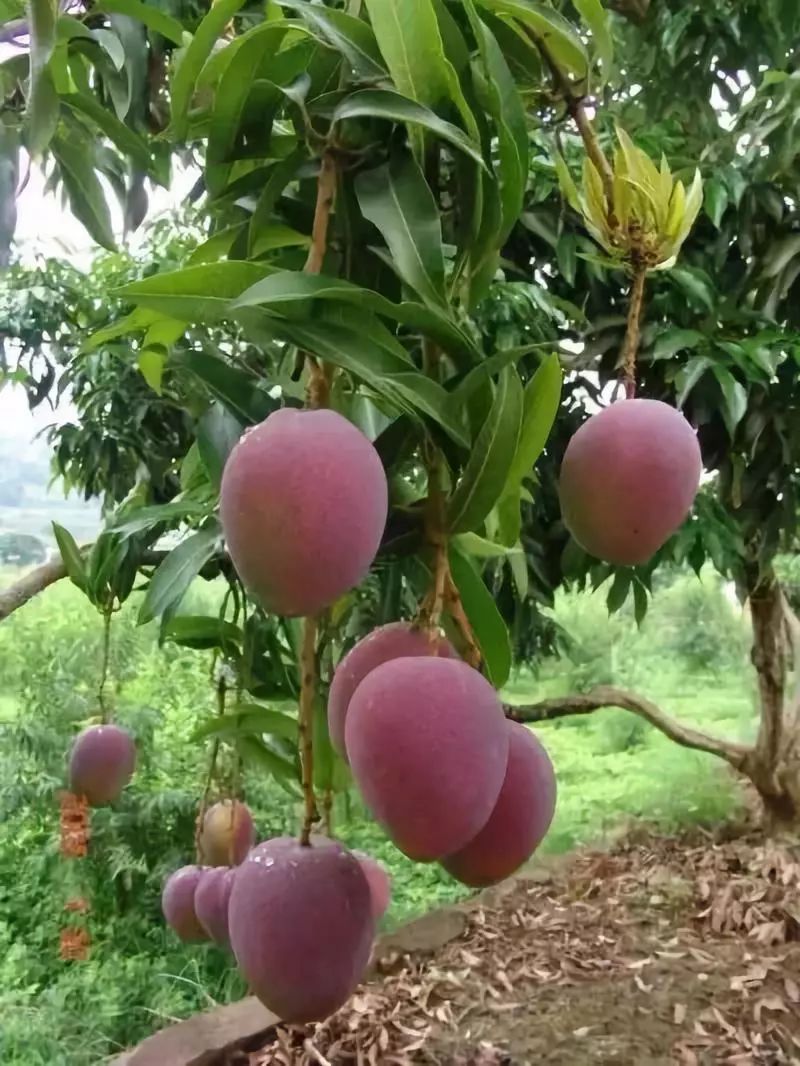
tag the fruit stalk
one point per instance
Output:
(632, 332)
(308, 685)
(101, 688)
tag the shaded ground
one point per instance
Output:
(662, 951)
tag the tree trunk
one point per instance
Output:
(774, 764)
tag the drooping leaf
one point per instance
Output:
(293, 286)
(382, 103)
(410, 41)
(486, 621)
(128, 142)
(175, 574)
(237, 390)
(152, 17)
(492, 455)
(42, 111)
(596, 18)
(399, 203)
(191, 63)
(202, 631)
(74, 562)
(217, 432)
(512, 128)
(734, 396)
(249, 719)
(86, 196)
(146, 517)
(197, 293)
(151, 364)
(554, 32)
(351, 36)
(672, 341)
(540, 406)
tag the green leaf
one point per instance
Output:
(42, 112)
(71, 556)
(190, 65)
(280, 174)
(323, 750)
(491, 459)
(231, 98)
(217, 433)
(672, 341)
(555, 32)
(249, 719)
(688, 376)
(293, 286)
(618, 592)
(382, 103)
(85, 193)
(596, 18)
(487, 624)
(540, 406)
(262, 757)
(147, 13)
(195, 294)
(175, 574)
(408, 35)
(237, 390)
(146, 517)
(399, 203)
(508, 113)
(734, 396)
(639, 602)
(481, 548)
(128, 142)
(151, 364)
(351, 36)
(202, 631)
(387, 374)
(135, 322)
(716, 199)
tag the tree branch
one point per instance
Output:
(607, 696)
(30, 585)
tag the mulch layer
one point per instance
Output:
(663, 950)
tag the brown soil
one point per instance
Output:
(662, 951)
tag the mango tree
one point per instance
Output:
(359, 450)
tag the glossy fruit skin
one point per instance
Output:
(303, 504)
(177, 903)
(101, 763)
(301, 926)
(520, 819)
(379, 881)
(211, 899)
(396, 640)
(228, 833)
(628, 480)
(428, 749)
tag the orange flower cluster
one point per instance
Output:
(75, 830)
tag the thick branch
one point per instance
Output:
(768, 654)
(607, 696)
(30, 585)
(42, 577)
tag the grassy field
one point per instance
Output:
(612, 769)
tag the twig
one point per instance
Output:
(606, 696)
(101, 688)
(456, 610)
(632, 333)
(222, 689)
(577, 110)
(326, 196)
(308, 684)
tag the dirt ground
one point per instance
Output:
(661, 951)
